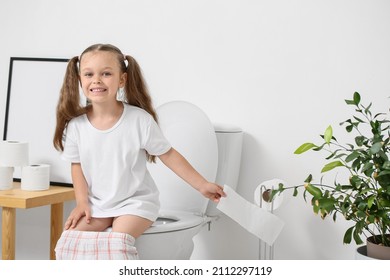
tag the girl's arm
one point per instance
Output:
(81, 193)
(178, 164)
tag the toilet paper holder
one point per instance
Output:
(263, 199)
(266, 252)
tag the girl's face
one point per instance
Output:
(100, 76)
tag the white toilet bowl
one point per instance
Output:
(170, 237)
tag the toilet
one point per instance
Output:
(215, 152)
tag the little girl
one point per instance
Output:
(108, 143)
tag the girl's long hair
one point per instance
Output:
(135, 92)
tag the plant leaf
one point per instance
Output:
(314, 191)
(349, 128)
(357, 238)
(359, 140)
(367, 110)
(309, 178)
(327, 204)
(273, 194)
(304, 147)
(382, 173)
(375, 148)
(331, 165)
(370, 201)
(319, 148)
(352, 156)
(368, 166)
(356, 98)
(348, 236)
(358, 119)
(328, 134)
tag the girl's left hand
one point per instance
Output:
(212, 191)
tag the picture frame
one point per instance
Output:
(34, 86)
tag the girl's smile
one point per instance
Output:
(97, 91)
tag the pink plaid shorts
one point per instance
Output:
(92, 245)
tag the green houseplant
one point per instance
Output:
(365, 198)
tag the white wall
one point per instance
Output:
(278, 69)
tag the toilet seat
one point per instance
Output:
(169, 221)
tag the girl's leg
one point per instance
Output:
(96, 224)
(133, 225)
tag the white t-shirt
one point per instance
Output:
(114, 162)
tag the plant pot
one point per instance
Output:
(361, 253)
(377, 251)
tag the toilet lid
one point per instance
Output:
(173, 221)
(191, 133)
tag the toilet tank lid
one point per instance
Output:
(226, 128)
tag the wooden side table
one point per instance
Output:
(14, 198)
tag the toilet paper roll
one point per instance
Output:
(13, 153)
(36, 177)
(6, 177)
(254, 219)
(263, 191)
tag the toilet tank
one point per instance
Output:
(229, 139)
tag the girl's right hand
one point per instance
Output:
(76, 214)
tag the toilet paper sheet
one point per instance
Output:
(254, 219)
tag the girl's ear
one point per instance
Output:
(123, 80)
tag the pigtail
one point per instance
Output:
(136, 91)
(68, 106)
